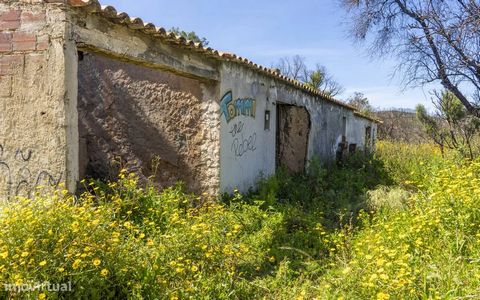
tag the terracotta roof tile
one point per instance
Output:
(109, 11)
(136, 23)
(161, 31)
(111, 14)
(149, 28)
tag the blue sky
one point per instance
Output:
(265, 30)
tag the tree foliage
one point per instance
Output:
(192, 36)
(451, 126)
(360, 102)
(400, 125)
(317, 78)
(435, 41)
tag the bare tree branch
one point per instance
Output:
(435, 40)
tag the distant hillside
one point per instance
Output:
(400, 125)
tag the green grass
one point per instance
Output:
(403, 223)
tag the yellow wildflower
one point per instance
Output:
(383, 296)
(76, 264)
(96, 262)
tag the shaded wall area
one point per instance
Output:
(145, 120)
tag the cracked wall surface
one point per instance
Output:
(35, 133)
(147, 102)
(148, 121)
(248, 149)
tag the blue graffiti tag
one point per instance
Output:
(239, 107)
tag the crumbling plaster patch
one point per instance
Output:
(132, 116)
(35, 139)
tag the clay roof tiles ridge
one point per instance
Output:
(123, 18)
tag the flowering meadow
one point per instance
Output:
(403, 223)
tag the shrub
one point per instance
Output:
(427, 251)
(384, 198)
(123, 241)
(399, 224)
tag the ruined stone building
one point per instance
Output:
(85, 91)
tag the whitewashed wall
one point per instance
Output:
(247, 150)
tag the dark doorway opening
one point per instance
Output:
(368, 139)
(293, 129)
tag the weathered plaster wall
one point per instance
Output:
(257, 145)
(357, 128)
(204, 118)
(326, 121)
(327, 127)
(148, 121)
(153, 100)
(247, 149)
(92, 32)
(37, 135)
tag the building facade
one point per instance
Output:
(87, 91)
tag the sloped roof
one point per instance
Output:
(110, 13)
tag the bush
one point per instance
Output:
(123, 241)
(427, 251)
(399, 224)
(384, 198)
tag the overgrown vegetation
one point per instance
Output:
(452, 126)
(404, 223)
(190, 36)
(317, 78)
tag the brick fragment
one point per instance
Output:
(10, 20)
(10, 15)
(33, 17)
(5, 41)
(35, 58)
(24, 41)
(33, 21)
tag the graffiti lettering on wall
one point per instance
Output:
(238, 107)
(16, 177)
(236, 128)
(242, 145)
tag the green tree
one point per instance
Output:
(431, 126)
(451, 126)
(360, 102)
(317, 78)
(320, 79)
(192, 36)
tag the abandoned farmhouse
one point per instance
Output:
(86, 91)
